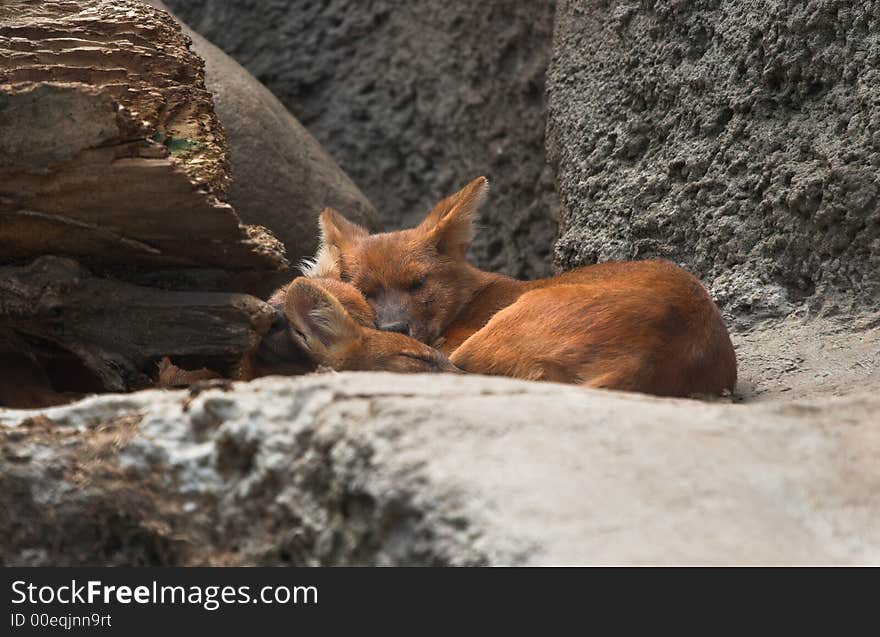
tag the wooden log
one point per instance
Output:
(116, 245)
(118, 331)
(110, 150)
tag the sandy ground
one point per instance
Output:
(797, 358)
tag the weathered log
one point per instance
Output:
(119, 331)
(23, 381)
(281, 176)
(109, 145)
(111, 154)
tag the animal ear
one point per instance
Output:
(337, 235)
(338, 231)
(450, 225)
(317, 315)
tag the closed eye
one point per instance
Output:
(301, 335)
(417, 284)
(418, 357)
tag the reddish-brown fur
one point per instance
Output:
(321, 323)
(644, 326)
(333, 323)
(640, 326)
(330, 324)
(170, 375)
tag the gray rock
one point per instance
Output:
(413, 99)
(376, 468)
(282, 177)
(740, 139)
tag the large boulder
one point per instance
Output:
(281, 176)
(413, 99)
(741, 139)
(375, 468)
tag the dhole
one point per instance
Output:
(333, 324)
(328, 323)
(645, 326)
(321, 323)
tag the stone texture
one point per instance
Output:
(385, 469)
(741, 139)
(413, 100)
(281, 177)
(796, 359)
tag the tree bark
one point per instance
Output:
(119, 331)
(111, 154)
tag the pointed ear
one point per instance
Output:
(449, 226)
(338, 231)
(337, 235)
(317, 315)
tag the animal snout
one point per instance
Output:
(400, 327)
(279, 323)
(276, 345)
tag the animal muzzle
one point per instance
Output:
(277, 347)
(392, 315)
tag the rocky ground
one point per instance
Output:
(794, 358)
(375, 468)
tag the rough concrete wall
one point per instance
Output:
(413, 100)
(741, 139)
